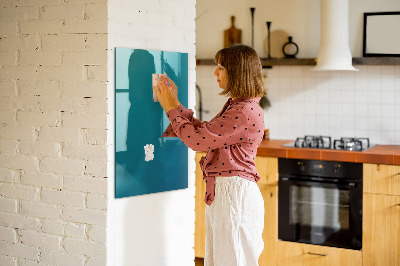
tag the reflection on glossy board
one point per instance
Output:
(144, 162)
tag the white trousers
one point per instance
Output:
(234, 223)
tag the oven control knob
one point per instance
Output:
(336, 169)
(302, 167)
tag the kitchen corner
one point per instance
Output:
(369, 206)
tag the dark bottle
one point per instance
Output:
(290, 49)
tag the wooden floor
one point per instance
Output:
(199, 262)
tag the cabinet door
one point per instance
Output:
(270, 233)
(267, 168)
(200, 207)
(381, 230)
(381, 179)
(297, 254)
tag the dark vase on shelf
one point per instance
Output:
(290, 49)
(269, 39)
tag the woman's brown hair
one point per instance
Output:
(245, 78)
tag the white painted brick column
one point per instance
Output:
(53, 111)
(155, 229)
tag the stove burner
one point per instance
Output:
(324, 142)
(308, 141)
(351, 144)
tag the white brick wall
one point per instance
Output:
(155, 229)
(53, 107)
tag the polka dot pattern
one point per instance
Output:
(231, 138)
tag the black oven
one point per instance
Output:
(320, 202)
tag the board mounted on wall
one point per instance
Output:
(144, 162)
(381, 34)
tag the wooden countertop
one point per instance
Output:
(379, 154)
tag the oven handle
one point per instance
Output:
(297, 181)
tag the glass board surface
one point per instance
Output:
(144, 162)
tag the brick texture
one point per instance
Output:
(53, 110)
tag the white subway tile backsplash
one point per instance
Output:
(388, 97)
(375, 136)
(389, 136)
(361, 97)
(334, 109)
(335, 122)
(374, 123)
(334, 81)
(335, 95)
(397, 123)
(388, 84)
(374, 111)
(284, 83)
(361, 123)
(387, 72)
(347, 122)
(338, 104)
(348, 96)
(397, 72)
(388, 110)
(374, 97)
(348, 133)
(347, 110)
(322, 109)
(322, 121)
(374, 84)
(322, 95)
(284, 72)
(388, 124)
(297, 83)
(310, 109)
(297, 72)
(397, 110)
(361, 110)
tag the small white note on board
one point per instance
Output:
(149, 152)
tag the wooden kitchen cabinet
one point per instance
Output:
(270, 233)
(200, 207)
(381, 215)
(298, 254)
(381, 230)
(381, 179)
(267, 167)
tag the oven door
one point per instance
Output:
(320, 212)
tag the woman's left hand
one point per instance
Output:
(164, 95)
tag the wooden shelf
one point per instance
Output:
(376, 61)
(312, 61)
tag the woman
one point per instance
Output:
(235, 207)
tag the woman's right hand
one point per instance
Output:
(174, 91)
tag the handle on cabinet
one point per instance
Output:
(398, 204)
(318, 254)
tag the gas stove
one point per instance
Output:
(325, 142)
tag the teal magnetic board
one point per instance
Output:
(144, 162)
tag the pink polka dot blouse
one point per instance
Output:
(231, 139)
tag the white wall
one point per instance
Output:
(298, 18)
(53, 190)
(155, 229)
(338, 104)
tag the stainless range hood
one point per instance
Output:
(334, 51)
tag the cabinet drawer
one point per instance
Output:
(297, 254)
(381, 179)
